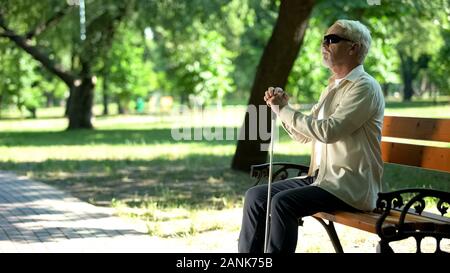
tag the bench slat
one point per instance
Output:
(367, 221)
(435, 158)
(417, 128)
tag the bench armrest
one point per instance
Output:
(279, 172)
(410, 202)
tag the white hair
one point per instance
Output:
(358, 33)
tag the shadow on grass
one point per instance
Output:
(204, 181)
(195, 181)
(14, 118)
(107, 137)
(398, 177)
(96, 137)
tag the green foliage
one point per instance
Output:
(382, 62)
(412, 29)
(259, 20)
(23, 82)
(200, 65)
(211, 49)
(309, 77)
(128, 74)
(9, 72)
(439, 65)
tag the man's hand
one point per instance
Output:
(276, 99)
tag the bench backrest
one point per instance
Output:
(424, 156)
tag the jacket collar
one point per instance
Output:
(351, 76)
(355, 73)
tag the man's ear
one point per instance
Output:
(354, 49)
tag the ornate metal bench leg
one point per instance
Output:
(384, 247)
(332, 234)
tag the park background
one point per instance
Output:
(91, 90)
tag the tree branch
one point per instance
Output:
(50, 22)
(107, 23)
(37, 54)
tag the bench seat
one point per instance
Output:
(367, 221)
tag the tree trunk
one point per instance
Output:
(273, 70)
(408, 90)
(80, 109)
(385, 89)
(105, 97)
(120, 109)
(73, 60)
(32, 111)
(68, 102)
(409, 73)
(82, 99)
(49, 99)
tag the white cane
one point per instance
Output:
(269, 183)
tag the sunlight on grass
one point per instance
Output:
(27, 125)
(416, 142)
(180, 222)
(119, 152)
(440, 111)
(230, 116)
(182, 189)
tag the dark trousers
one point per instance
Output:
(291, 199)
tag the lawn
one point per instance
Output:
(181, 188)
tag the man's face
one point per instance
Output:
(339, 53)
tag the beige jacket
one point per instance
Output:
(351, 166)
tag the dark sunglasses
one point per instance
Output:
(333, 39)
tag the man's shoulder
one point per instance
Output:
(368, 81)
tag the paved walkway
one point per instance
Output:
(35, 217)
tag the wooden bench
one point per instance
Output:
(399, 214)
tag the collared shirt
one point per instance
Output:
(351, 166)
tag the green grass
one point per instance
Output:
(133, 164)
(429, 109)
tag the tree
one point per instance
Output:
(415, 53)
(9, 70)
(80, 79)
(273, 70)
(405, 42)
(406, 35)
(128, 75)
(22, 79)
(195, 40)
(438, 67)
(257, 19)
(199, 64)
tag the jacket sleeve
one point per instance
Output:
(295, 135)
(357, 106)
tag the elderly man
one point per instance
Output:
(344, 128)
